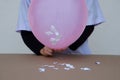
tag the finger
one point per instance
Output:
(48, 49)
(44, 53)
(59, 50)
(47, 52)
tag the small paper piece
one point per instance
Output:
(55, 62)
(69, 66)
(85, 69)
(97, 62)
(56, 68)
(66, 68)
(42, 69)
(51, 66)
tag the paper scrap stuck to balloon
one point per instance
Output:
(53, 31)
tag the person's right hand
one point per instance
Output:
(45, 51)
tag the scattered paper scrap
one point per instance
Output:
(55, 62)
(65, 66)
(56, 66)
(85, 68)
(97, 62)
(41, 69)
(70, 66)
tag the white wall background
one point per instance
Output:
(105, 39)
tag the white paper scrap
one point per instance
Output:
(51, 66)
(56, 68)
(42, 69)
(66, 68)
(97, 62)
(55, 62)
(85, 69)
(70, 66)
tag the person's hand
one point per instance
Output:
(60, 50)
(45, 51)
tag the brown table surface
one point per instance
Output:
(26, 67)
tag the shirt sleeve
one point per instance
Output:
(22, 23)
(86, 33)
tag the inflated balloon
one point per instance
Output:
(57, 23)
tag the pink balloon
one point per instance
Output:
(57, 23)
